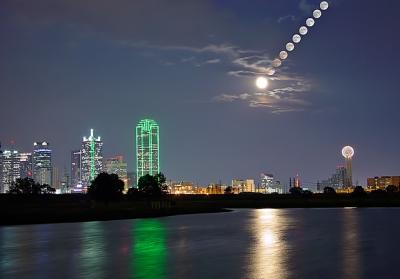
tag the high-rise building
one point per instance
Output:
(250, 185)
(267, 182)
(56, 178)
(132, 179)
(91, 159)
(65, 183)
(10, 169)
(240, 185)
(337, 180)
(42, 163)
(116, 165)
(147, 148)
(269, 185)
(25, 160)
(76, 167)
(1, 169)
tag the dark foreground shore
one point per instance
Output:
(25, 209)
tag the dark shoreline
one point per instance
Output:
(43, 209)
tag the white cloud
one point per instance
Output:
(286, 18)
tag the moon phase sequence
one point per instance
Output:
(262, 82)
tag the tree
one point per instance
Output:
(358, 191)
(228, 190)
(297, 191)
(307, 193)
(392, 189)
(329, 191)
(152, 185)
(106, 187)
(26, 186)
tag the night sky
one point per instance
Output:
(70, 65)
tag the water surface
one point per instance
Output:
(248, 243)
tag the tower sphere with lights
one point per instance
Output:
(348, 153)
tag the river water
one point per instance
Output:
(245, 243)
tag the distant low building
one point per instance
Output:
(243, 185)
(185, 188)
(216, 189)
(381, 182)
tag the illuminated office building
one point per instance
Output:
(42, 165)
(147, 148)
(337, 180)
(91, 158)
(243, 185)
(25, 161)
(76, 168)
(10, 169)
(116, 165)
(375, 183)
(269, 185)
(267, 182)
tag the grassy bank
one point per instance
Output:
(26, 209)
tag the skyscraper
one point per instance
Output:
(337, 180)
(116, 165)
(25, 160)
(91, 158)
(147, 148)
(10, 169)
(42, 165)
(76, 166)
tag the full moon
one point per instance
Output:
(324, 5)
(283, 55)
(261, 82)
(317, 14)
(296, 38)
(289, 46)
(310, 22)
(303, 30)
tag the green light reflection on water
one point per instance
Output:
(149, 249)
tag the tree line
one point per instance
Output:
(104, 187)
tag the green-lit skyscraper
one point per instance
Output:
(91, 158)
(147, 148)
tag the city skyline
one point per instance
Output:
(200, 87)
(342, 178)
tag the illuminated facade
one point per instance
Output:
(382, 182)
(147, 148)
(269, 185)
(42, 165)
(337, 180)
(267, 182)
(240, 185)
(25, 160)
(76, 167)
(116, 165)
(10, 169)
(91, 159)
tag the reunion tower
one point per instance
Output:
(348, 153)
